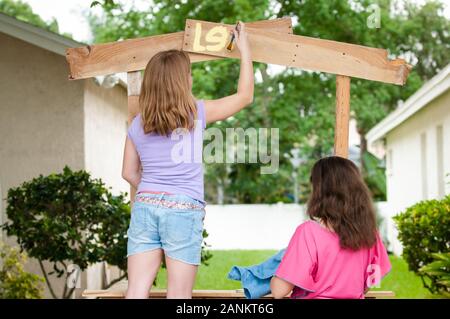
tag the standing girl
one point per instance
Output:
(339, 253)
(168, 211)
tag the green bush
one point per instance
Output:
(439, 268)
(424, 230)
(68, 219)
(71, 219)
(15, 282)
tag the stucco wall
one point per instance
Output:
(105, 118)
(105, 125)
(41, 118)
(407, 182)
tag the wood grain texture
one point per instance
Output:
(134, 54)
(342, 116)
(309, 53)
(204, 294)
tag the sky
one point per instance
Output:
(69, 14)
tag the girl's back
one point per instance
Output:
(173, 163)
(342, 256)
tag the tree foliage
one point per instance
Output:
(23, 12)
(68, 218)
(299, 103)
(424, 230)
(15, 282)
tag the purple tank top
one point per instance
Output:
(171, 163)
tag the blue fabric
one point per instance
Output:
(256, 279)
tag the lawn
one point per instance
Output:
(404, 283)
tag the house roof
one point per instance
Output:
(39, 37)
(432, 89)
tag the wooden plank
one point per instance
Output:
(342, 116)
(133, 89)
(298, 51)
(205, 294)
(134, 54)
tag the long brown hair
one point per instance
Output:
(166, 101)
(341, 199)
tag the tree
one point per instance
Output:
(71, 221)
(417, 32)
(23, 12)
(299, 103)
(15, 282)
(68, 219)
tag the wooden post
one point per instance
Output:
(342, 116)
(134, 88)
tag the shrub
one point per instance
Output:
(15, 282)
(424, 229)
(70, 220)
(439, 268)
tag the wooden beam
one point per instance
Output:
(134, 87)
(299, 51)
(206, 294)
(134, 54)
(342, 116)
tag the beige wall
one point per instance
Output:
(41, 118)
(47, 122)
(105, 118)
(412, 175)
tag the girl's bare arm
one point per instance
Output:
(280, 288)
(223, 108)
(131, 166)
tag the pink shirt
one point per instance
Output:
(319, 268)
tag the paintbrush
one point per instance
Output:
(230, 45)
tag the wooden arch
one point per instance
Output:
(272, 41)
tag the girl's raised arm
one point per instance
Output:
(223, 108)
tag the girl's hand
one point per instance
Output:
(221, 109)
(241, 39)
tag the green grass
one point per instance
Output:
(404, 283)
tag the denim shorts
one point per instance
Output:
(178, 231)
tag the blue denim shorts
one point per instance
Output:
(178, 231)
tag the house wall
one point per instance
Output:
(105, 126)
(105, 118)
(41, 119)
(414, 153)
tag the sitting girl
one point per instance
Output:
(338, 253)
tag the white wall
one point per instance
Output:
(251, 226)
(407, 182)
(260, 226)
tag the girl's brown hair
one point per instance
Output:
(166, 101)
(341, 199)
